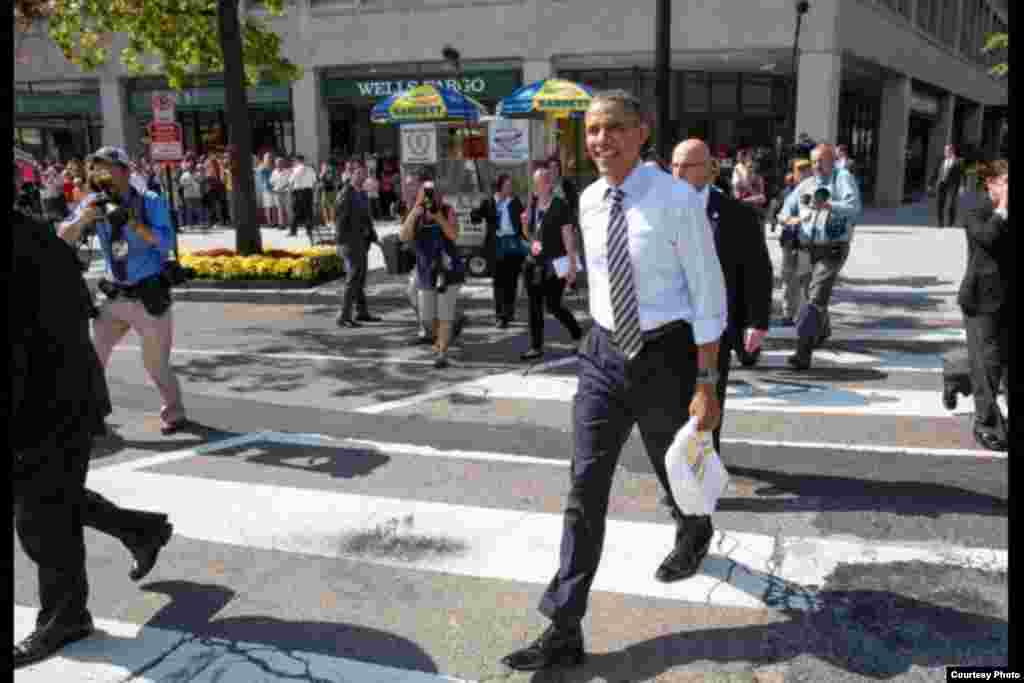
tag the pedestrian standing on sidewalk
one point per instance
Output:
(946, 183)
(986, 300)
(826, 231)
(139, 298)
(796, 261)
(192, 196)
(281, 191)
(504, 243)
(303, 181)
(264, 172)
(658, 301)
(549, 230)
(354, 233)
(57, 405)
(329, 180)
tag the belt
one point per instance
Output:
(651, 336)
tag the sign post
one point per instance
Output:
(165, 145)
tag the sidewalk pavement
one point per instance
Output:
(898, 254)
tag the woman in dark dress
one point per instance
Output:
(548, 227)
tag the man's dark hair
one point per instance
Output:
(630, 103)
(500, 180)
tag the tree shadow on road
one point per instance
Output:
(341, 462)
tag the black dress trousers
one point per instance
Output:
(988, 346)
(506, 285)
(51, 506)
(653, 391)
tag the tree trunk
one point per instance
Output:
(243, 196)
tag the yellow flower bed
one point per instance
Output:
(316, 264)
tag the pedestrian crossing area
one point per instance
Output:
(330, 556)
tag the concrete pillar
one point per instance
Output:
(958, 25)
(112, 102)
(941, 135)
(537, 70)
(817, 107)
(974, 126)
(892, 141)
(305, 115)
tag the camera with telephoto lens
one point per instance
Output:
(102, 184)
(428, 200)
(822, 195)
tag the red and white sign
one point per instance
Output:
(165, 142)
(163, 107)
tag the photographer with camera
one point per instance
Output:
(825, 207)
(433, 229)
(136, 237)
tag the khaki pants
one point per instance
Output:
(796, 276)
(157, 334)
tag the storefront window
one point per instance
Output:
(757, 94)
(695, 92)
(724, 92)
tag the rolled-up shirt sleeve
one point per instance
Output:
(698, 257)
(846, 204)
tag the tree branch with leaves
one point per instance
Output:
(998, 43)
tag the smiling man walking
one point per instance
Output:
(650, 358)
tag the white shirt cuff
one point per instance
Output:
(708, 330)
(1003, 213)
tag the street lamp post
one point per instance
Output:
(662, 50)
(454, 58)
(802, 7)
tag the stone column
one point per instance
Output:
(941, 135)
(306, 115)
(958, 25)
(537, 70)
(817, 107)
(112, 102)
(892, 141)
(974, 126)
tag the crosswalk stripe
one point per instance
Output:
(743, 570)
(122, 651)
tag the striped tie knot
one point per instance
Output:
(615, 194)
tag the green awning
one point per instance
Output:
(51, 104)
(265, 97)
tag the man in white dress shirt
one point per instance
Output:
(303, 182)
(657, 297)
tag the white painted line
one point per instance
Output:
(175, 456)
(322, 440)
(121, 651)
(883, 361)
(783, 396)
(868, 448)
(375, 360)
(896, 334)
(502, 544)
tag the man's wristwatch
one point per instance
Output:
(707, 376)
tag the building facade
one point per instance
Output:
(895, 80)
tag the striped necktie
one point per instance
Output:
(625, 308)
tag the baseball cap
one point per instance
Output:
(114, 155)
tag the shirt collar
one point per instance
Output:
(635, 183)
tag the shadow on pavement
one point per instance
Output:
(874, 621)
(337, 461)
(113, 443)
(776, 492)
(221, 644)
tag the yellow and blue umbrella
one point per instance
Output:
(553, 96)
(427, 103)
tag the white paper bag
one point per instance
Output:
(695, 472)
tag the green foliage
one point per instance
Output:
(182, 35)
(999, 43)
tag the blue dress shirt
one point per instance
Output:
(143, 259)
(676, 270)
(846, 208)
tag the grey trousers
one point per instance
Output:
(354, 293)
(813, 319)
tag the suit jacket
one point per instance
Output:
(488, 212)
(956, 173)
(58, 390)
(746, 265)
(985, 287)
(353, 225)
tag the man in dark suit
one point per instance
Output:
(57, 404)
(946, 181)
(743, 253)
(354, 233)
(503, 245)
(986, 301)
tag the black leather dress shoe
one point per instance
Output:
(532, 354)
(990, 441)
(367, 318)
(144, 554)
(692, 547)
(173, 427)
(342, 322)
(558, 645)
(798, 362)
(41, 644)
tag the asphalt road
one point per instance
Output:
(354, 514)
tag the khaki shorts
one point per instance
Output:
(439, 306)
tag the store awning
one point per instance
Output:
(263, 97)
(56, 104)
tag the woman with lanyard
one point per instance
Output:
(432, 227)
(551, 263)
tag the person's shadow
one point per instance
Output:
(184, 642)
(876, 634)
